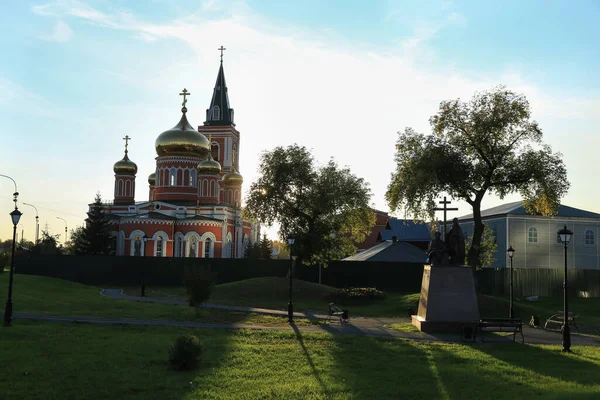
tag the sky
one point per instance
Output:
(339, 77)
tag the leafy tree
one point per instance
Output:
(26, 244)
(96, 237)
(252, 251)
(265, 248)
(486, 145)
(325, 208)
(487, 247)
(47, 245)
(77, 245)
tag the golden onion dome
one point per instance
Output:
(233, 178)
(125, 166)
(182, 139)
(209, 166)
(152, 179)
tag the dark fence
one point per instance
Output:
(539, 282)
(127, 271)
(400, 277)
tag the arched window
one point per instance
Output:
(532, 235)
(589, 237)
(193, 178)
(127, 188)
(216, 113)
(179, 177)
(172, 176)
(159, 246)
(120, 191)
(214, 151)
(193, 249)
(187, 179)
(207, 244)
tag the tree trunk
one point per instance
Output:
(478, 227)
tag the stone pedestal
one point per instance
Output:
(448, 300)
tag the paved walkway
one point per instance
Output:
(358, 325)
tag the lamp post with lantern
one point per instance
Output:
(511, 253)
(565, 236)
(15, 215)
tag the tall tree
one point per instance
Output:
(252, 251)
(325, 208)
(47, 245)
(96, 237)
(486, 145)
(266, 251)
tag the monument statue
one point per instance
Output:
(437, 252)
(455, 240)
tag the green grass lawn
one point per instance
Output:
(307, 296)
(69, 361)
(43, 295)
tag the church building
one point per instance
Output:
(194, 195)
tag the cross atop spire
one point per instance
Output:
(126, 139)
(222, 49)
(219, 112)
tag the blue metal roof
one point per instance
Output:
(516, 208)
(405, 231)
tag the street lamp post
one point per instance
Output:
(565, 237)
(37, 222)
(65, 221)
(291, 241)
(511, 253)
(15, 215)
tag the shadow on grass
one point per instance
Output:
(547, 361)
(376, 368)
(315, 372)
(513, 371)
(69, 361)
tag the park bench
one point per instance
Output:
(335, 312)
(558, 318)
(501, 325)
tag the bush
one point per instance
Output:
(359, 294)
(185, 353)
(198, 285)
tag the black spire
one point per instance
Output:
(219, 113)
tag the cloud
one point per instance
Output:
(74, 8)
(61, 33)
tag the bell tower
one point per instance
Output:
(219, 124)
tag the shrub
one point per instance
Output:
(198, 285)
(185, 353)
(359, 294)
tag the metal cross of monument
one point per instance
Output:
(126, 139)
(221, 49)
(444, 209)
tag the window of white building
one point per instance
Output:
(532, 235)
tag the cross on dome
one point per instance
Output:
(126, 139)
(184, 93)
(221, 49)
